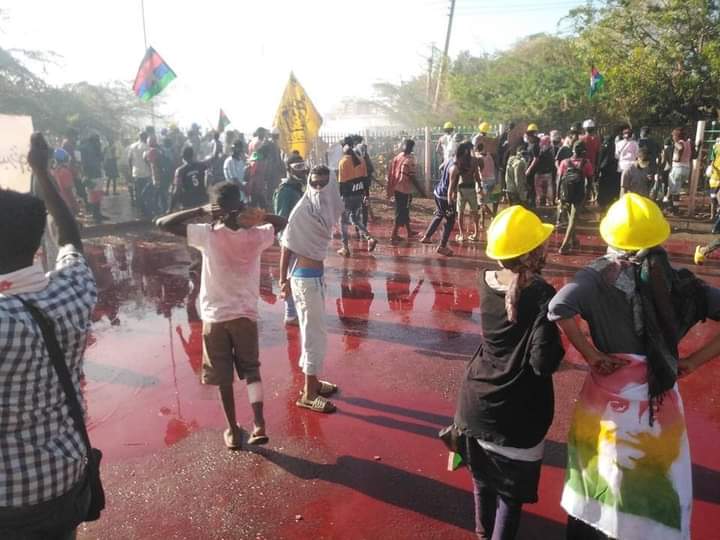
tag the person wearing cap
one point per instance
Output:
(574, 174)
(506, 400)
(626, 149)
(629, 470)
(234, 169)
(447, 144)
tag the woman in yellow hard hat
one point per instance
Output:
(505, 406)
(629, 472)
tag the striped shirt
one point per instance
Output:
(42, 455)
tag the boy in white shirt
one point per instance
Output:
(231, 247)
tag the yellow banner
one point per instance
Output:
(297, 119)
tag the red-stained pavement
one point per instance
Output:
(402, 324)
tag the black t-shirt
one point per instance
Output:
(190, 184)
(653, 150)
(546, 162)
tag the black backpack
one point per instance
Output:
(572, 184)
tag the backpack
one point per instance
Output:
(572, 184)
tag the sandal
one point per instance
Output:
(327, 388)
(319, 404)
(258, 438)
(233, 439)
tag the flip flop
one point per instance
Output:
(233, 441)
(327, 388)
(319, 404)
(258, 439)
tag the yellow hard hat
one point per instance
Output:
(448, 125)
(484, 127)
(634, 223)
(532, 127)
(514, 232)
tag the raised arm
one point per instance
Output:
(67, 227)
(176, 223)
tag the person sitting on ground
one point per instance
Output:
(401, 177)
(575, 173)
(352, 174)
(305, 242)
(44, 493)
(231, 247)
(638, 178)
(506, 405)
(445, 195)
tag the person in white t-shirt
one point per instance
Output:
(231, 247)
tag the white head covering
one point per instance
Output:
(311, 223)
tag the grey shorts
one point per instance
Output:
(678, 176)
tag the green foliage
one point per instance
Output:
(660, 60)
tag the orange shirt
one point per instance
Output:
(401, 173)
(348, 171)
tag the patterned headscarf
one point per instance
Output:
(525, 270)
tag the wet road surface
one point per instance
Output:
(402, 323)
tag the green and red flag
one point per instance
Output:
(153, 76)
(223, 121)
(597, 81)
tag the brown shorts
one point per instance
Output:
(230, 344)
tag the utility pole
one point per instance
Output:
(428, 85)
(443, 61)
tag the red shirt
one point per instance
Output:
(401, 173)
(592, 143)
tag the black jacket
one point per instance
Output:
(507, 395)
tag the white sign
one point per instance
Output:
(15, 134)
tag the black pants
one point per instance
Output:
(402, 209)
(444, 210)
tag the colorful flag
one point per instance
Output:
(153, 76)
(597, 81)
(223, 121)
(297, 119)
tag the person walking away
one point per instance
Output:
(286, 197)
(216, 159)
(64, 180)
(506, 400)
(234, 170)
(629, 469)
(593, 144)
(639, 177)
(665, 166)
(305, 242)
(43, 468)
(70, 145)
(469, 187)
(110, 165)
(609, 178)
(445, 195)
(652, 148)
(488, 191)
(626, 150)
(504, 150)
(91, 155)
(150, 196)
(232, 245)
(544, 188)
(189, 187)
(166, 171)
(575, 173)
(515, 181)
(352, 173)
(362, 150)
(401, 177)
(447, 144)
(532, 150)
(680, 171)
(139, 169)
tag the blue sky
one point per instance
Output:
(238, 54)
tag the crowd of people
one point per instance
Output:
(628, 471)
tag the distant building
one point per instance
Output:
(356, 115)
